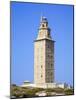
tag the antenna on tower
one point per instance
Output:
(41, 17)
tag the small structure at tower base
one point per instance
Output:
(44, 85)
(52, 85)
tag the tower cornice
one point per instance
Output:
(44, 39)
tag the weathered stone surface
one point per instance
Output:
(44, 55)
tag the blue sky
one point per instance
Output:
(25, 20)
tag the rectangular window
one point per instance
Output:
(41, 66)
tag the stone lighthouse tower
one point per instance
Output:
(44, 55)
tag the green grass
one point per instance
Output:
(31, 92)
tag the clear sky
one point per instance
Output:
(25, 20)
